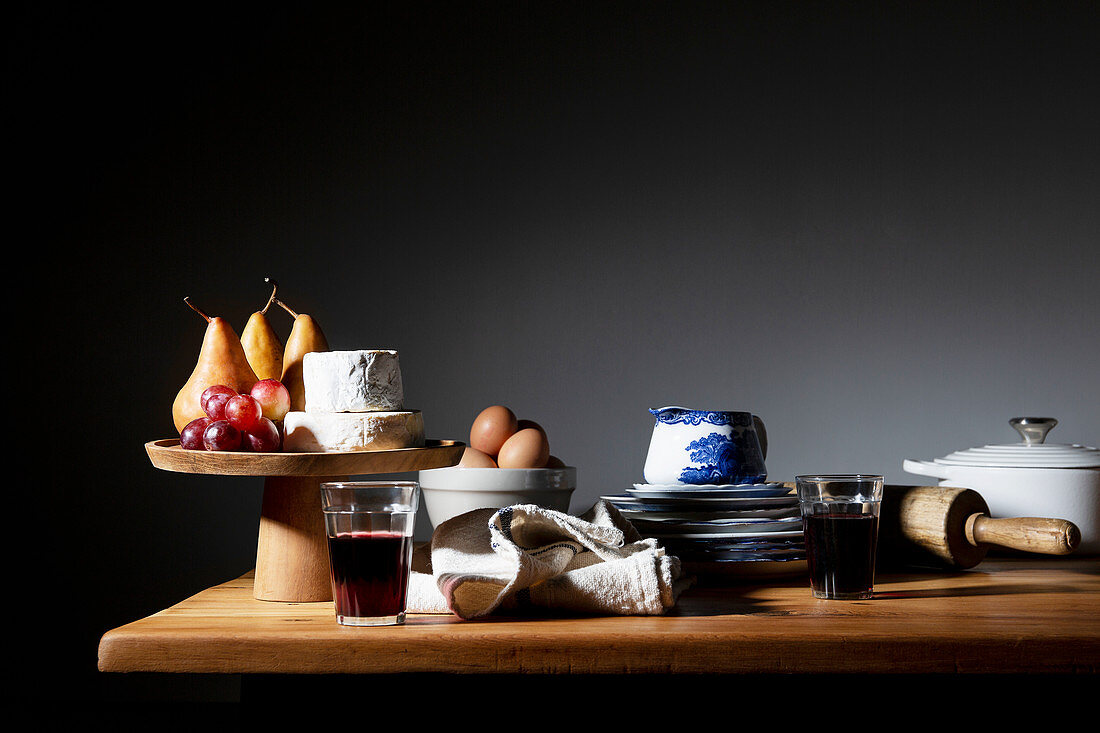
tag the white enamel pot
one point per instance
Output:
(1028, 479)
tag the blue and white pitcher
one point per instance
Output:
(695, 447)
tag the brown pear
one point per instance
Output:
(221, 361)
(305, 337)
(261, 343)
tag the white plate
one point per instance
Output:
(712, 516)
(701, 503)
(711, 487)
(647, 491)
(794, 553)
(788, 516)
(747, 568)
(734, 544)
(705, 535)
(725, 526)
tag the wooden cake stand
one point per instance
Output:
(292, 549)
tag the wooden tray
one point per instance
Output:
(291, 547)
(169, 456)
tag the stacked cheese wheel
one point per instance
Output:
(499, 440)
(354, 401)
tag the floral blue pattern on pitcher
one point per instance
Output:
(695, 447)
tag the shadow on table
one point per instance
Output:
(717, 598)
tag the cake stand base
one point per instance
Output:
(292, 548)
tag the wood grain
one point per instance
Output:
(921, 523)
(1019, 616)
(1043, 535)
(292, 547)
(167, 454)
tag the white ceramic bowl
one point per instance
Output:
(449, 492)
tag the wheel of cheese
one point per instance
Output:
(321, 432)
(352, 381)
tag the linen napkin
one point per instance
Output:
(526, 557)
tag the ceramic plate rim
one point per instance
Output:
(681, 501)
(709, 487)
(791, 534)
(708, 493)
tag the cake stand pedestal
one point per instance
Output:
(291, 548)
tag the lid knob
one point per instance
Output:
(1033, 429)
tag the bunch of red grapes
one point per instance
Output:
(239, 422)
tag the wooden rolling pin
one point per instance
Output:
(941, 526)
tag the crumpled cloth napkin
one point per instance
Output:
(526, 557)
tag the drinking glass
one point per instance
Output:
(370, 526)
(840, 520)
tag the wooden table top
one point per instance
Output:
(1005, 616)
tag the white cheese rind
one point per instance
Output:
(325, 432)
(353, 381)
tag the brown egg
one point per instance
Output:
(473, 458)
(555, 462)
(528, 448)
(491, 428)
(524, 424)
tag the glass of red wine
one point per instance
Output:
(370, 527)
(840, 522)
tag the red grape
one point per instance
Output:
(191, 435)
(263, 437)
(273, 397)
(243, 411)
(220, 435)
(213, 400)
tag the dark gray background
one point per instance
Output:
(876, 227)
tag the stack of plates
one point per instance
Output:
(741, 529)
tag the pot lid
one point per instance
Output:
(1032, 452)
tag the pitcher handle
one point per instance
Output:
(762, 436)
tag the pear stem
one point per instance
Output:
(274, 289)
(285, 307)
(196, 309)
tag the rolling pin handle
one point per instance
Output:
(1028, 534)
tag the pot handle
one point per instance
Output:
(925, 468)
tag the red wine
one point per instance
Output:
(370, 573)
(840, 553)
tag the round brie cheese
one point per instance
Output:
(321, 432)
(352, 381)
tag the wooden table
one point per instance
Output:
(1005, 616)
